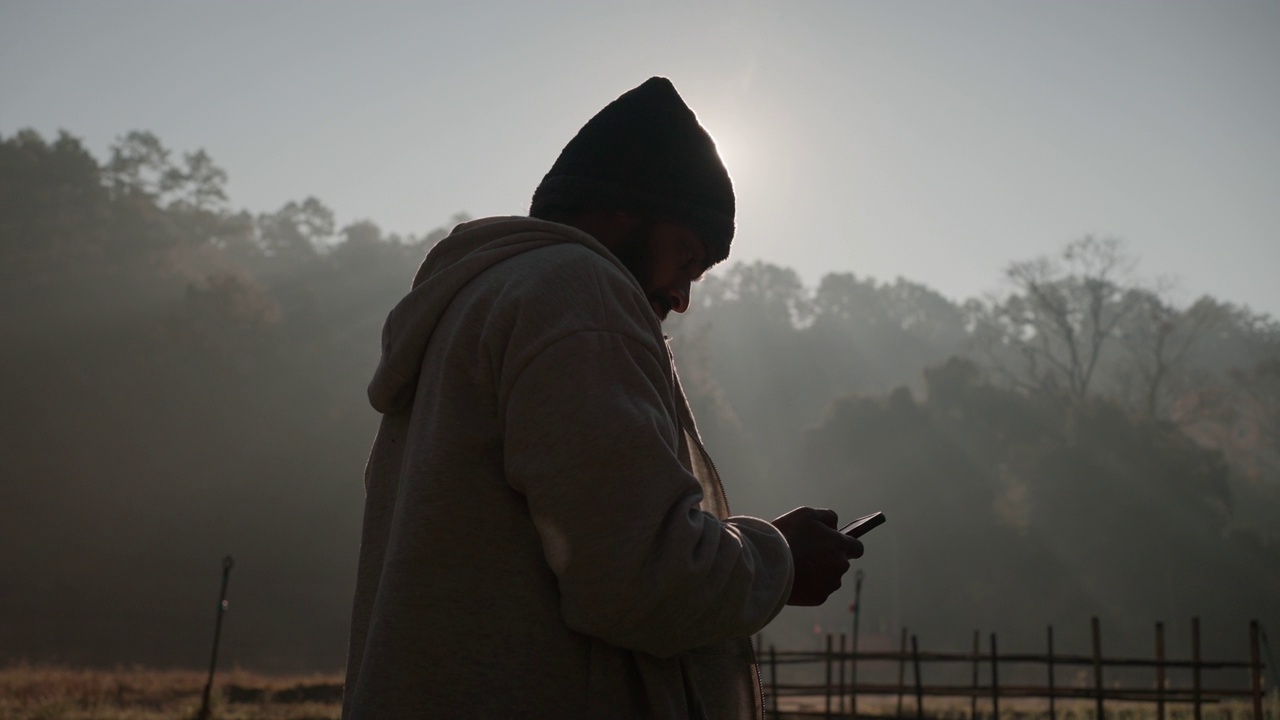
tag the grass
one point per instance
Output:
(42, 692)
(1023, 709)
(45, 692)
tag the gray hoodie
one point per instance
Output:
(544, 535)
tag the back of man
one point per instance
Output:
(544, 534)
(519, 552)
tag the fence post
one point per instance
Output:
(827, 706)
(853, 660)
(773, 675)
(995, 680)
(902, 668)
(1160, 671)
(1162, 696)
(1195, 666)
(1255, 661)
(915, 661)
(1053, 715)
(840, 684)
(227, 563)
(1097, 667)
(973, 699)
(1271, 662)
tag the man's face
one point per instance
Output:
(667, 259)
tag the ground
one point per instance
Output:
(41, 692)
(30, 692)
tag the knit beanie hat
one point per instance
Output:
(645, 152)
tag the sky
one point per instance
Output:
(936, 141)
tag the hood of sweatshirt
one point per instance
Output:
(468, 251)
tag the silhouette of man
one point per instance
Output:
(544, 533)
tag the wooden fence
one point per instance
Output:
(837, 696)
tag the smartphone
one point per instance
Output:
(863, 525)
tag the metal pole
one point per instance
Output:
(227, 563)
(853, 659)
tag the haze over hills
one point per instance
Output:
(183, 380)
(933, 140)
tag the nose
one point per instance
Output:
(679, 297)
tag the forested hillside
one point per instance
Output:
(1073, 446)
(183, 380)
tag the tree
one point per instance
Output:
(199, 184)
(296, 230)
(1052, 331)
(775, 293)
(52, 205)
(998, 495)
(140, 165)
(1159, 339)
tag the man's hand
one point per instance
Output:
(820, 553)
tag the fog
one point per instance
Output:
(184, 381)
(921, 138)
(1072, 419)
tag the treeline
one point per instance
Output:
(181, 381)
(1077, 446)
(184, 380)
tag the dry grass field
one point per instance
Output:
(31, 692)
(39, 692)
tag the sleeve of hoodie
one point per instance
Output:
(591, 441)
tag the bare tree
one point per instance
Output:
(1050, 333)
(1159, 338)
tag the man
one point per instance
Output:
(544, 534)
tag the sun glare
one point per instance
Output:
(735, 151)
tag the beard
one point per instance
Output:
(636, 256)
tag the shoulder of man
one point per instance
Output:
(571, 287)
